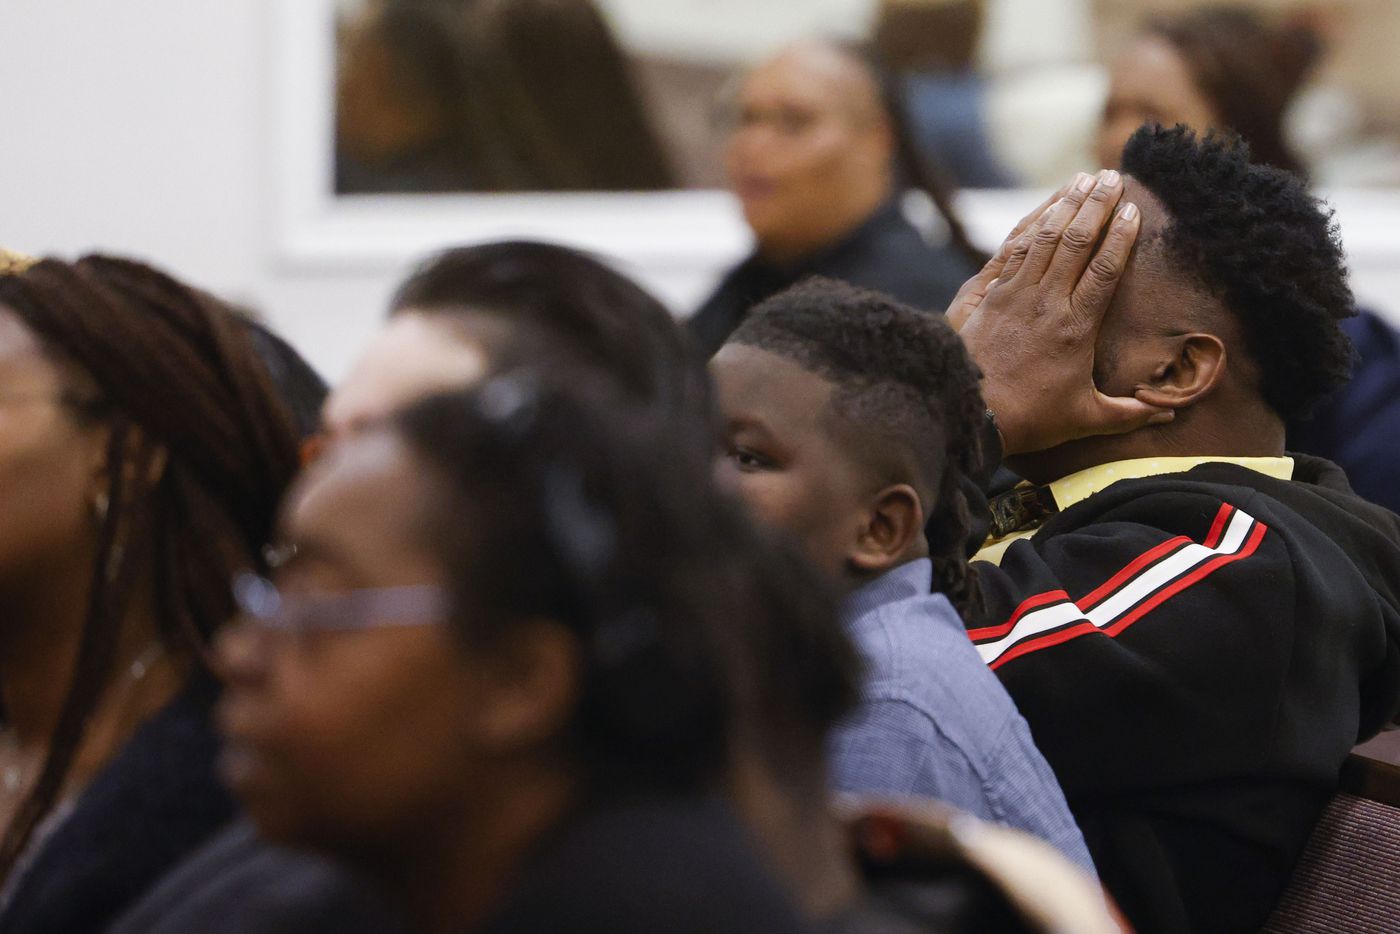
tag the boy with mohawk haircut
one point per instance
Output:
(851, 424)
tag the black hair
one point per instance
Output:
(1249, 68)
(548, 293)
(302, 389)
(1254, 237)
(567, 501)
(902, 375)
(178, 382)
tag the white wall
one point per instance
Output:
(146, 128)
(143, 128)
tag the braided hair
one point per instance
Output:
(904, 377)
(200, 450)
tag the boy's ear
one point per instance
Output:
(895, 519)
(1195, 367)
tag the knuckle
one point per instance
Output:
(1105, 266)
(1078, 239)
(1103, 194)
(1049, 234)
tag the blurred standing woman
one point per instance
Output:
(504, 664)
(819, 158)
(143, 450)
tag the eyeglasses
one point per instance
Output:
(346, 611)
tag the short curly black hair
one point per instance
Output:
(901, 375)
(1254, 237)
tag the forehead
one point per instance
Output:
(1153, 291)
(1151, 65)
(358, 508)
(813, 73)
(17, 342)
(23, 357)
(1155, 218)
(761, 386)
(414, 356)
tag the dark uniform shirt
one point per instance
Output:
(885, 253)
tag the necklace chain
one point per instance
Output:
(13, 777)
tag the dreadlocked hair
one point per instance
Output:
(904, 377)
(200, 450)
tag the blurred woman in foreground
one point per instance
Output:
(495, 671)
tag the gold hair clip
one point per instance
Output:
(14, 263)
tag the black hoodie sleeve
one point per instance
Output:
(1195, 662)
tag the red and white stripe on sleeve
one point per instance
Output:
(1145, 583)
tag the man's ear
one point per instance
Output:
(1194, 369)
(892, 523)
(528, 687)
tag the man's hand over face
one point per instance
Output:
(1031, 319)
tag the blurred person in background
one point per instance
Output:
(489, 95)
(467, 311)
(819, 159)
(145, 447)
(405, 108)
(1223, 67)
(931, 46)
(1235, 69)
(496, 669)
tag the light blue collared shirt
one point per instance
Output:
(935, 722)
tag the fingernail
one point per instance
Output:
(1084, 182)
(1129, 212)
(1108, 177)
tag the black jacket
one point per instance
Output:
(236, 884)
(885, 253)
(154, 803)
(1232, 636)
(679, 865)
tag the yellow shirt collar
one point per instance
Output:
(1085, 483)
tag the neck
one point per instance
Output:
(41, 627)
(1256, 433)
(462, 873)
(802, 842)
(39, 646)
(861, 204)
